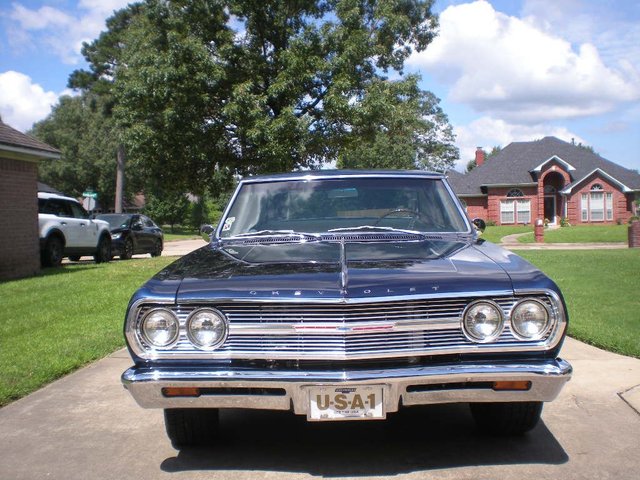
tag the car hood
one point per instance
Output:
(314, 271)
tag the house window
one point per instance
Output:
(507, 211)
(515, 192)
(524, 211)
(584, 206)
(515, 211)
(596, 204)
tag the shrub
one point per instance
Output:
(633, 218)
(564, 222)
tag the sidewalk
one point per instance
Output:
(510, 242)
(181, 247)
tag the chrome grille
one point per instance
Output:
(395, 329)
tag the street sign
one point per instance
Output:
(90, 194)
(89, 203)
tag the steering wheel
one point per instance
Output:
(414, 216)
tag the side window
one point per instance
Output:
(56, 207)
(148, 223)
(77, 210)
(137, 222)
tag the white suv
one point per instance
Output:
(67, 230)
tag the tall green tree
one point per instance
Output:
(253, 87)
(202, 89)
(87, 141)
(398, 125)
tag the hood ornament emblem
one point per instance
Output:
(344, 274)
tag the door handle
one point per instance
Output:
(63, 223)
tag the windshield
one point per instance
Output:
(115, 220)
(343, 204)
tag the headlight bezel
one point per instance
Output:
(497, 332)
(190, 336)
(145, 337)
(542, 334)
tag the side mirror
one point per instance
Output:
(480, 224)
(136, 227)
(207, 232)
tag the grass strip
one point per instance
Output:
(63, 319)
(601, 291)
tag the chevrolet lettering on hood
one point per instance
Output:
(345, 295)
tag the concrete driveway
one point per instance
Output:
(86, 426)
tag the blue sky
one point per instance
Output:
(505, 70)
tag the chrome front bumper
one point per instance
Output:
(288, 390)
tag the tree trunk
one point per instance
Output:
(120, 161)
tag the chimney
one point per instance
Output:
(479, 156)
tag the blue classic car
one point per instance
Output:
(345, 295)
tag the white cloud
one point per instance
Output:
(516, 70)
(23, 102)
(63, 32)
(488, 132)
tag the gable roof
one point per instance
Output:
(17, 143)
(519, 162)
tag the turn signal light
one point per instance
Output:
(181, 392)
(514, 385)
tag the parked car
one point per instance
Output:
(345, 296)
(133, 234)
(67, 230)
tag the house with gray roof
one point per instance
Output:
(19, 244)
(547, 179)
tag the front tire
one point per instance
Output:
(157, 248)
(51, 255)
(190, 427)
(103, 253)
(509, 418)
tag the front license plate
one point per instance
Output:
(346, 403)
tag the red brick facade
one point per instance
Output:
(610, 204)
(19, 248)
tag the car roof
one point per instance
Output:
(318, 174)
(46, 196)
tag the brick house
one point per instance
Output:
(549, 179)
(19, 244)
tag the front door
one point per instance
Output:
(550, 208)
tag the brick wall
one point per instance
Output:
(634, 235)
(19, 248)
(476, 207)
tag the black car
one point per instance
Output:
(133, 234)
(346, 296)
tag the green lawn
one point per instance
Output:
(601, 288)
(67, 317)
(179, 233)
(495, 234)
(583, 234)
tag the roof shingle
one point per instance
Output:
(13, 138)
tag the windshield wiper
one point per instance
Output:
(374, 228)
(279, 233)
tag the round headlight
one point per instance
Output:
(207, 328)
(530, 320)
(160, 328)
(482, 321)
